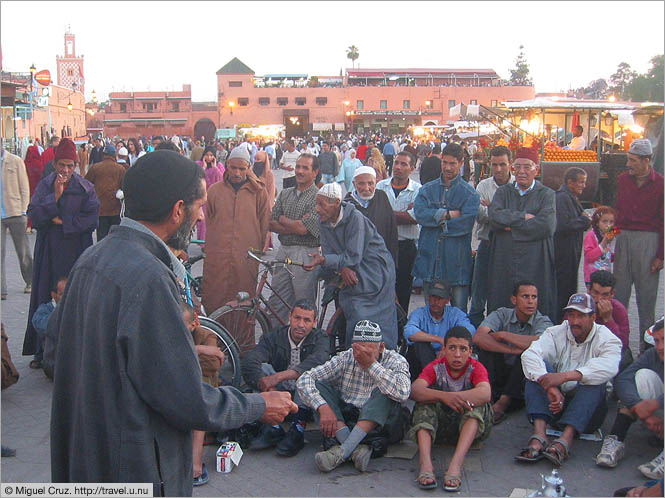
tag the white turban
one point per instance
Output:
(331, 191)
(364, 170)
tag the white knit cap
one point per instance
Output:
(331, 191)
(239, 152)
(123, 151)
(364, 170)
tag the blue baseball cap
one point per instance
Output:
(110, 150)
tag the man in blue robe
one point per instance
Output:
(352, 247)
(64, 210)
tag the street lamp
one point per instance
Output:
(231, 104)
(94, 96)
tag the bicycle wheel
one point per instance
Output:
(336, 332)
(245, 329)
(229, 374)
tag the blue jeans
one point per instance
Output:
(326, 178)
(460, 296)
(584, 407)
(479, 284)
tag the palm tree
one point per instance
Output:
(352, 53)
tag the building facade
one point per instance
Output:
(145, 114)
(364, 100)
(70, 66)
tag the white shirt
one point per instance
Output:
(401, 203)
(577, 143)
(597, 358)
(289, 159)
(486, 189)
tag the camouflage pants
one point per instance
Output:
(445, 424)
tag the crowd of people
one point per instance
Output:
(504, 326)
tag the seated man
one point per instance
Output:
(610, 312)
(640, 391)
(41, 316)
(277, 361)
(427, 326)
(566, 370)
(367, 383)
(501, 338)
(453, 405)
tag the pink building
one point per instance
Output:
(365, 99)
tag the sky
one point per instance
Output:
(140, 46)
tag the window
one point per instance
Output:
(495, 103)
(473, 102)
(360, 104)
(406, 104)
(149, 106)
(429, 104)
(176, 107)
(383, 104)
(451, 103)
(123, 107)
(70, 72)
(243, 101)
(264, 101)
(301, 100)
(282, 100)
(236, 84)
(321, 100)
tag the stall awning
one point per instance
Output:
(321, 126)
(339, 127)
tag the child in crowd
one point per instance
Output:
(40, 319)
(211, 359)
(599, 242)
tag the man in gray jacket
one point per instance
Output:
(128, 388)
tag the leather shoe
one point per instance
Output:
(268, 437)
(292, 443)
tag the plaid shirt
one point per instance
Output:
(355, 385)
(296, 205)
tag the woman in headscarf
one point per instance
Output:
(35, 168)
(349, 166)
(214, 173)
(264, 173)
(335, 149)
(377, 162)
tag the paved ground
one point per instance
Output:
(490, 471)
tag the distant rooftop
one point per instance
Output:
(387, 72)
(235, 66)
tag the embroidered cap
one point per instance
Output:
(331, 191)
(581, 302)
(367, 331)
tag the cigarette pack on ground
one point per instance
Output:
(228, 455)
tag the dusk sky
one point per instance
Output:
(163, 45)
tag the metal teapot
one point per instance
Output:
(552, 485)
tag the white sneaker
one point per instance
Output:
(653, 469)
(612, 451)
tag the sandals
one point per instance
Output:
(531, 454)
(557, 457)
(425, 475)
(452, 478)
(498, 417)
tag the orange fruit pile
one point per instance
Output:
(563, 155)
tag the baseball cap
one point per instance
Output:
(581, 302)
(437, 288)
(109, 149)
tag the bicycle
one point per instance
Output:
(245, 313)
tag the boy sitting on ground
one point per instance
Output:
(41, 316)
(453, 405)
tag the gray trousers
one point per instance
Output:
(17, 226)
(303, 286)
(632, 265)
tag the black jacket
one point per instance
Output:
(274, 348)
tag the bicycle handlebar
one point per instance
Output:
(253, 254)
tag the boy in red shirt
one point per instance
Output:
(452, 397)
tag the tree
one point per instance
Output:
(621, 80)
(520, 75)
(352, 53)
(656, 76)
(597, 90)
(647, 86)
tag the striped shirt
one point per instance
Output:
(390, 374)
(298, 206)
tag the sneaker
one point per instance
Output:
(28, 289)
(653, 469)
(267, 438)
(35, 364)
(203, 478)
(292, 443)
(329, 460)
(361, 456)
(612, 451)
